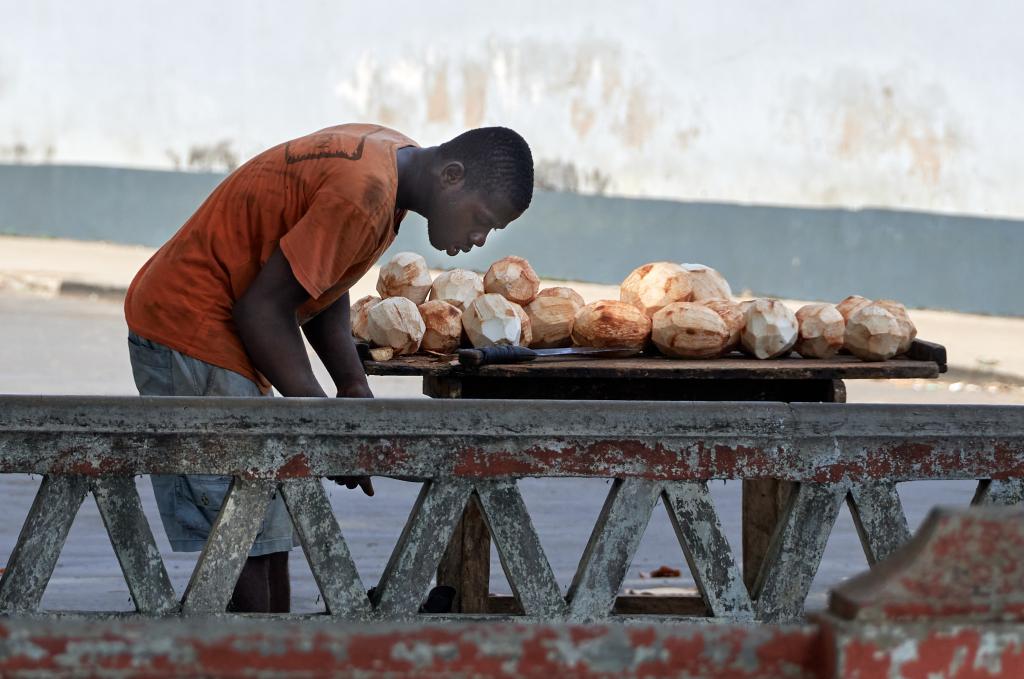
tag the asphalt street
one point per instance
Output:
(69, 345)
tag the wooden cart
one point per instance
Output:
(466, 564)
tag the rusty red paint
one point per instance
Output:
(297, 653)
(578, 635)
(596, 459)
(861, 659)
(76, 461)
(641, 636)
(297, 466)
(444, 650)
(500, 650)
(740, 653)
(962, 564)
(790, 651)
(691, 459)
(960, 654)
(1007, 461)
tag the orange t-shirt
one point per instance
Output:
(326, 199)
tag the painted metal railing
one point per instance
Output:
(949, 603)
(474, 451)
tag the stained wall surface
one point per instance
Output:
(911, 105)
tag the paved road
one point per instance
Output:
(77, 346)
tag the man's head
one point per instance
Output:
(481, 180)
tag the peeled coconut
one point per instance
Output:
(611, 324)
(732, 314)
(689, 330)
(873, 334)
(851, 305)
(406, 275)
(514, 279)
(381, 354)
(358, 318)
(443, 323)
(490, 319)
(396, 322)
(707, 283)
(525, 326)
(566, 293)
(822, 329)
(770, 329)
(458, 287)
(907, 327)
(551, 319)
(654, 286)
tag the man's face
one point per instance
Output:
(460, 218)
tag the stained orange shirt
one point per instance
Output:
(326, 199)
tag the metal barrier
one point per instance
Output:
(948, 604)
(473, 451)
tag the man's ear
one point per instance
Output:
(452, 173)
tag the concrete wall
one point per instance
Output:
(910, 105)
(925, 260)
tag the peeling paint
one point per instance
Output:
(469, 449)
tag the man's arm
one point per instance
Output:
(330, 334)
(265, 317)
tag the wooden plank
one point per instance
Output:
(734, 366)
(403, 585)
(764, 500)
(795, 552)
(641, 389)
(1005, 492)
(133, 543)
(636, 604)
(466, 562)
(39, 544)
(712, 564)
(522, 556)
(325, 547)
(609, 552)
(442, 387)
(231, 537)
(879, 518)
(625, 604)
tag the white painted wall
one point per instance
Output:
(912, 104)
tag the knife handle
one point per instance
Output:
(495, 355)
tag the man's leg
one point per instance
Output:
(280, 585)
(189, 504)
(263, 586)
(252, 592)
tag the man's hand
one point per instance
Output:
(355, 389)
(351, 482)
(330, 335)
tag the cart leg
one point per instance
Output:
(763, 503)
(466, 564)
(765, 499)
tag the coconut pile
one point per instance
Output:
(685, 311)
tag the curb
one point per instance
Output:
(92, 290)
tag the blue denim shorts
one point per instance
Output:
(190, 504)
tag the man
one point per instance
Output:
(217, 311)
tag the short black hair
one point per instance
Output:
(497, 160)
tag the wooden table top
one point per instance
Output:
(921, 362)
